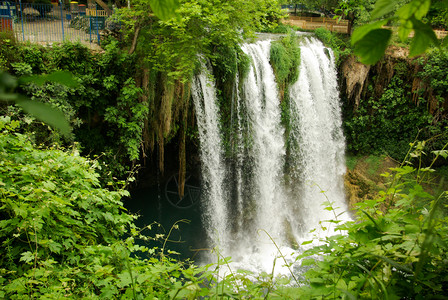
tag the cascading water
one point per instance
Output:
(267, 197)
(268, 147)
(213, 169)
(316, 140)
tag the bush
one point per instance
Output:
(52, 210)
(337, 42)
(388, 118)
(63, 236)
(104, 83)
(285, 61)
(395, 249)
(8, 49)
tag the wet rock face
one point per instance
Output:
(354, 76)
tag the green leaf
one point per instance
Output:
(423, 38)
(61, 77)
(395, 264)
(54, 246)
(404, 30)
(403, 170)
(308, 262)
(45, 113)
(370, 48)
(27, 256)
(360, 32)
(410, 228)
(125, 279)
(382, 7)
(64, 78)
(164, 9)
(415, 8)
(8, 97)
(7, 81)
(20, 209)
(443, 153)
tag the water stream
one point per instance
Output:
(215, 208)
(267, 204)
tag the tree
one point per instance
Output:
(171, 43)
(168, 44)
(325, 6)
(355, 11)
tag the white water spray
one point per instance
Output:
(316, 139)
(285, 202)
(213, 169)
(268, 146)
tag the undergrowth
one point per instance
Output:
(395, 249)
(337, 42)
(63, 236)
(392, 111)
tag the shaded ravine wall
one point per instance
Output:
(412, 82)
(418, 109)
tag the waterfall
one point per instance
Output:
(268, 147)
(316, 140)
(215, 215)
(266, 202)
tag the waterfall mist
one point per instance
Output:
(265, 198)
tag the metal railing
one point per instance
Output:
(44, 23)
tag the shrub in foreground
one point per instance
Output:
(397, 248)
(63, 236)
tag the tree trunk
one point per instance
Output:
(134, 40)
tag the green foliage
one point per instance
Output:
(172, 45)
(351, 162)
(281, 28)
(128, 115)
(8, 48)
(225, 61)
(385, 122)
(51, 209)
(335, 41)
(243, 65)
(104, 107)
(396, 248)
(372, 163)
(389, 116)
(373, 45)
(438, 14)
(40, 110)
(434, 75)
(166, 9)
(370, 41)
(63, 236)
(285, 60)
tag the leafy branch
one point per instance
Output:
(41, 111)
(370, 41)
